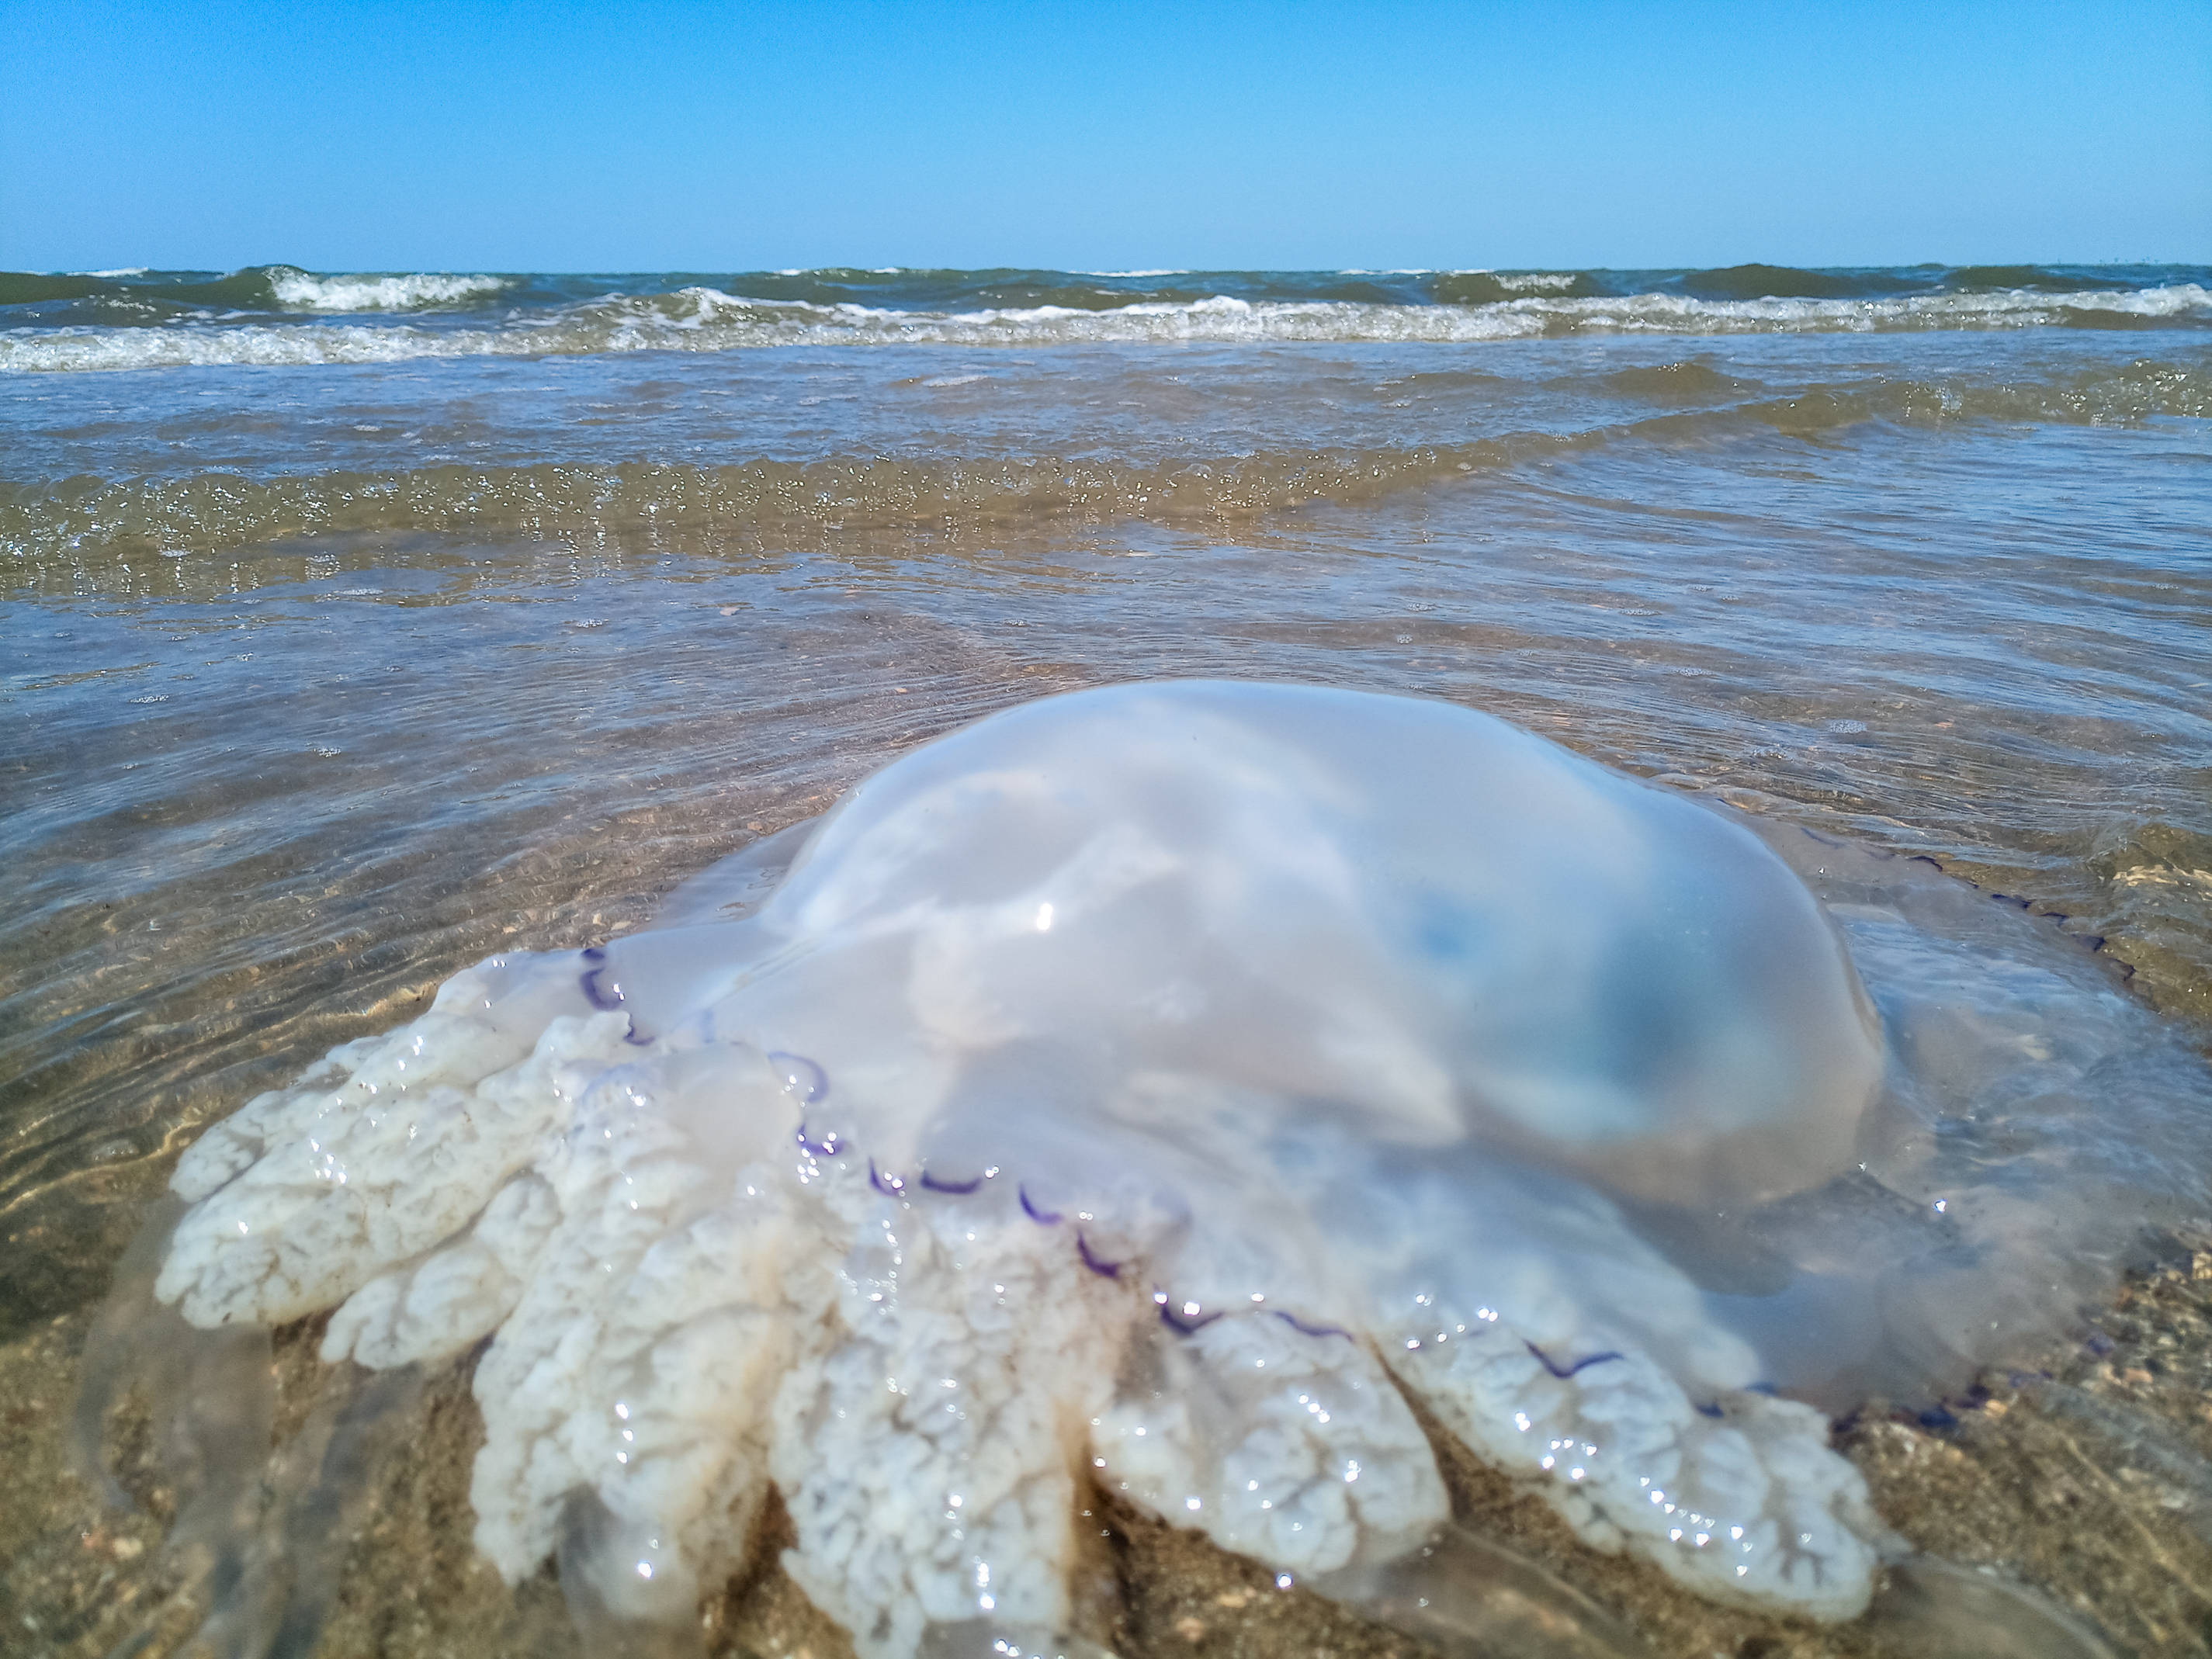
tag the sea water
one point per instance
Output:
(362, 625)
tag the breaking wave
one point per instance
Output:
(300, 290)
(276, 315)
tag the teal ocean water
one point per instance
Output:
(282, 314)
(357, 624)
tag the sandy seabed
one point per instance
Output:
(1672, 606)
(2088, 1477)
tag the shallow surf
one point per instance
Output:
(328, 677)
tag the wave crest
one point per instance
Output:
(705, 319)
(300, 290)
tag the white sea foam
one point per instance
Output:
(85, 349)
(701, 319)
(299, 290)
(1527, 281)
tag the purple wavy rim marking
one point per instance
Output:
(1042, 1218)
(1579, 1365)
(956, 1187)
(594, 996)
(1304, 1329)
(1104, 1269)
(1713, 1410)
(889, 1186)
(1175, 1322)
(633, 1035)
(829, 1148)
(800, 1073)
(2057, 918)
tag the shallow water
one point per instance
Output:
(323, 680)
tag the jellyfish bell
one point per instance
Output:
(1156, 1085)
(1409, 914)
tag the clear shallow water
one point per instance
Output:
(326, 678)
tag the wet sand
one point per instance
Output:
(2086, 1477)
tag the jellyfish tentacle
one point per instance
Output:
(1751, 1506)
(948, 1496)
(391, 1149)
(1471, 1596)
(1302, 1455)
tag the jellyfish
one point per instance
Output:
(1167, 1087)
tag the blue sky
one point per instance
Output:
(612, 137)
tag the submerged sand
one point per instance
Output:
(311, 717)
(2085, 1480)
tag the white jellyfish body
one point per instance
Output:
(1146, 1085)
(1398, 915)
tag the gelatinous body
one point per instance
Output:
(1152, 1083)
